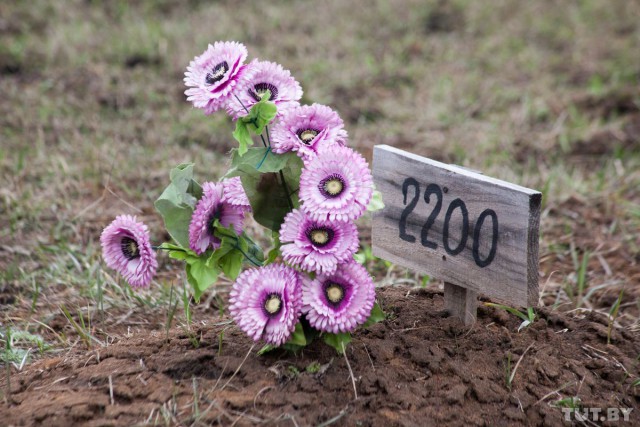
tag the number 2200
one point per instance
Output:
(435, 190)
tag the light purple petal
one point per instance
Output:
(127, 249)
(345, 315)
(336, 168)
(210, 207)
(306, 129)
(250, 293)
(213, 77)
(261, 75)
(337, 243)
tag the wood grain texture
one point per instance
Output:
(512, 276)
(461, 303)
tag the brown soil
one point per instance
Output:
(419, 367)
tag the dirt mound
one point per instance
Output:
(419, 367)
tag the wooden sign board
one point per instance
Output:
(478, 234)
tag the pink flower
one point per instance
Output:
(126, 248)
(336, 185)
(233, 193)
(307, 128)
(265, 302)
(263, 76)
(211, 207)
(317, 245)
(341, 301)
(213, 77)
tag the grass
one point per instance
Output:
(93, 116)
(527, 317)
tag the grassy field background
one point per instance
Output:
(92, 116)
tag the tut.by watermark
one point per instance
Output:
(597, 414)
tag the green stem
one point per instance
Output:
(162, 248)
(284, 182)
(251, 260)
(286, 190)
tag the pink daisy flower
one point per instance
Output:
(233, 193)
(317, 245)
(341, 301)
(213, 76)
(263, 76)
(265, 302)
(306, 128)
(209, 208)
(126, 248)
(336, 185)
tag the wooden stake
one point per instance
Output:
(461, 303)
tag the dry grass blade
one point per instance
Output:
(238, 369)
(353, 379)
(515, 368)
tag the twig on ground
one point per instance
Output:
(237, 370)
(353, 379)
(515, 368)
(111, 391)
(369, 356)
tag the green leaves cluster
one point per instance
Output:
(304, 334)
(176, 206)
(177, 202)
(260, 115)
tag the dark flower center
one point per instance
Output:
(215, 215)
(129, 248)
(307, 135)
(332, 186)
(260, 89)
(320, 236)
(334, 293)
(273, 304)
(217, 73)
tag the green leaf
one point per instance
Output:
(259, 159)
(376, 202)
(266, 349)
(298, 337)
(171, 246)
(200, 276)
(338, 341)
(243, 136)
(264, 187)
(511, 310)
(275, 251)
(297, 341)
(231, 264)
(261, 114)
(180, 255)
(252, 249)
(226, 245)
(177, 201)
(377, 315)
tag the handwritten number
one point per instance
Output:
(494, 238)
(434, 189)
(431, 189)
(457, 203)
(409, 182)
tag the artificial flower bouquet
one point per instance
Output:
(304, 184)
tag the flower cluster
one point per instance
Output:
(316, 277)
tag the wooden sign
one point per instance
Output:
(478, 234)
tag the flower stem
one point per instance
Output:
(284, 182)
(241, 103)
(162, 248)
(251, 260)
